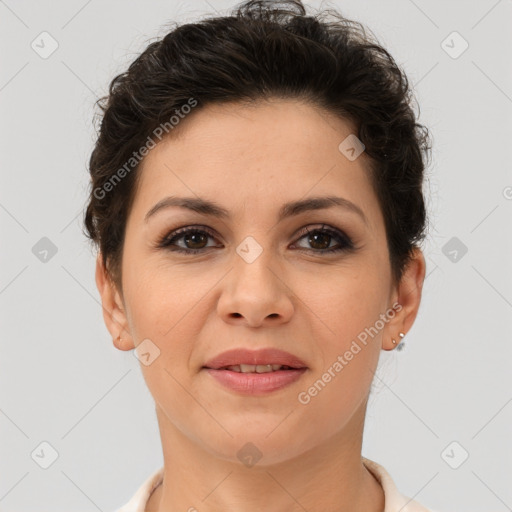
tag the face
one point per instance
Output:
(311, 282)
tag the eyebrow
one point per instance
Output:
(290, 209)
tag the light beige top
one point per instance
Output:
(394, 501)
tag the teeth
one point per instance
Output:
(253, 368)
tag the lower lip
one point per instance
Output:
(256, 383)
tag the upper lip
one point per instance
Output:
(255, 357)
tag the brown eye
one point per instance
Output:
(195, 240)
(320, 240)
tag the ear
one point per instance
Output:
(114, 313)
(408, 296)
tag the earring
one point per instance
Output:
(119, 339)
(401, 334)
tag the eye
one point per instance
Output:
(195, 240)
(194, 237)
(321, 239)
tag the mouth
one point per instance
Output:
(255, 372)
(255, 368)
(256, 380)
(255, 361)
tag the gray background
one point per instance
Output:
(61, 380)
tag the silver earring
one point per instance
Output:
(401, 334)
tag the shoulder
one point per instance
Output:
(394, 501)
(138, 501)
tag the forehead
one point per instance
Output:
(273, 125)
(258, 156)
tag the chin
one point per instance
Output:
(255, 446)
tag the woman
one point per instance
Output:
(257, 204)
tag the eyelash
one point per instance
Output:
(346, 243)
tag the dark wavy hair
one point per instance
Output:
(264, 49)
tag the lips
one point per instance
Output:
(245, 359)
(256, 384)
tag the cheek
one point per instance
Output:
(350, 349)
(345, 302)
(160, 297)
(345, 309)
(168, 306)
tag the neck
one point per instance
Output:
(331, 476)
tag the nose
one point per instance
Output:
(255, 293)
